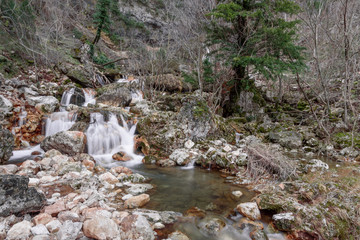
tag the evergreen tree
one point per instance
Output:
(102, 18)
(255, 36)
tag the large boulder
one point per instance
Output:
(288, 139)
(67, 142)
(17, 198)
(101, 228)
(115, 94)
(82, 74)
(6, 145)
(46, 104)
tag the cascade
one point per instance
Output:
(105, 138)
(89, 96)
(59, 121)
(66, 97)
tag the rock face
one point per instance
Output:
(6, 145)
(67, 142)
(16, 197)
(116, 94)
(288, 139)
(250, 210)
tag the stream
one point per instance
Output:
(175, 189)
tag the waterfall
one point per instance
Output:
(59, 121)
(66, 97)
(105, 138)
(89, 96)
(22, 116)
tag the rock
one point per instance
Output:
(284, 221)
(137, 189)
(246, 223)
(6, 145)
(109, 178)
(211, 225)
(189, 144)
(54, 226)
(8, 169)
(137, 201)
(237, 194)
(20, 231)
(68, 216)
(120, 169)
(46, 104)
(17, 198)
(69, 230)
(115, 94)
(177, 235)
(250, 210)
(54, 209)
(82, 74)
(258, 234)
(52, 153)
(288, 139)
(180, 156)
(158, 225)
(316, 165)
(42, 218)
(136, 227)
(5, 105)
(67, 142)
(41, 237)
(101, 228)
(121, 156)
(39, 230)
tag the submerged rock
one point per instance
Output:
(6, 145)
(67, 142)
(16, 197)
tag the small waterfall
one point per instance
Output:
(59, 121)
(66, 97)
(105, 138)
(89, 96)
(136, 96)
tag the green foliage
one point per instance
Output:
(256, 35)
(208, 73)
(190, 78)
(77, 33)
(102, 59)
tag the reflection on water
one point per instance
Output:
(179, 189)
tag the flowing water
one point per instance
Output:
(89, 96)
(176, 189)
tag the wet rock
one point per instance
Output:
(16, 197)
(136, 227)
(250, 210)
(82, 74)
(288, 139)
(67, 142)
(101, 228)
(180, 156)
(137, 189)
(177, 235)
(246, 223)
(211, 225)
(42, 218)
(20, 231)
(6, 145)
(142, 145)
(137, 201)
(46, 104)
(39, 230)
(69, 230)
(121, 156)
(237, 194)
(116, 94)
(284, 221)
(258, 234)
(195, 212)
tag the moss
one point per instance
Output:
(344, 139)
(201, 109)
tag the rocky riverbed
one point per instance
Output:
(75, 176)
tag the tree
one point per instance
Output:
(101, 18)
(255, 36)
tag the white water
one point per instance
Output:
(89, 96)
(24, 154)
(22, 117)
(107, 138)
(66, 97)
(59, 121)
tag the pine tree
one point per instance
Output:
(254, 36)
(101, 18)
